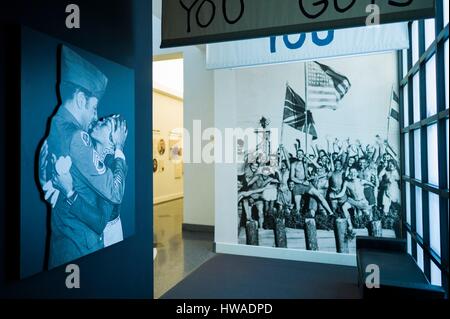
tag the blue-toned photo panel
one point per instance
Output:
(77, 153)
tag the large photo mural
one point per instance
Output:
(77, 153)
(332, 171)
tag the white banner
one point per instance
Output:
(307, 46)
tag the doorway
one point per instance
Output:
(167, 171)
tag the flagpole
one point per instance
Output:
(282, 121)
(389, 113)
(306, 108)
(282, 127)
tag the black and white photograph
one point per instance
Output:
(78, 153)
(335, 173)
(161, 147)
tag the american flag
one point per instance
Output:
(394, 107)
(325, 87)
(295, 113)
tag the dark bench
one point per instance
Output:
(400, 276)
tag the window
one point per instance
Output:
(405, 62)
(435, 238)
(416, 97)
(406, 162)
(424, 93)
(446, 73)
(415, 42)
(431, 86)
(419, 218)
(420, 257)
(408, 242)
(417, 156)
(405, 106)
(408, 203)
(430, 32)
(435, 275)
(445, 11)
(433, 167)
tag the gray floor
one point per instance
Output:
(242, 277)
(179, 252)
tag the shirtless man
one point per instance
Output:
(354, 187)
(302, 186)
(284, 194)
(336, 182)
(298, 176)
(259, 181)
(250, 195)
(389, 177)
(368, 173)
(320, 182)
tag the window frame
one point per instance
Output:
(436, 49)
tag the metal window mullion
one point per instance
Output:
(428, 121)
(442, 140)
(428, 187)
(402, 147)
(426, 55)
(411, 147)
(424, 151)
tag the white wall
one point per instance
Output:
(226, 181)
(198, 105)
(167, 116)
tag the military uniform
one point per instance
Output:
(77, 223)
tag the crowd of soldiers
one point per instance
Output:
(346, 180)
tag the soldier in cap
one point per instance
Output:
(80, 216)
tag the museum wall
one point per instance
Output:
(167, 120)
(119, 32)
(198, 105)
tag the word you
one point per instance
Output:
(209, 7)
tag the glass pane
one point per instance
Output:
(417, 156)
(430, 32)
(432, 145)
(445, 12)
(420, 256)
(407, 171)
(405, 105)
(419, 223)
(416, 97)
(405, 62)
(408, 243)
(447, 151)
(435, 230)
(436, 277)
(415, 41)
(446, 73)
(408, 203)
(431, 86)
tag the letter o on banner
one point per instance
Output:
(295, 45)
(225, 15)
(323, 42)
(199, 10)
